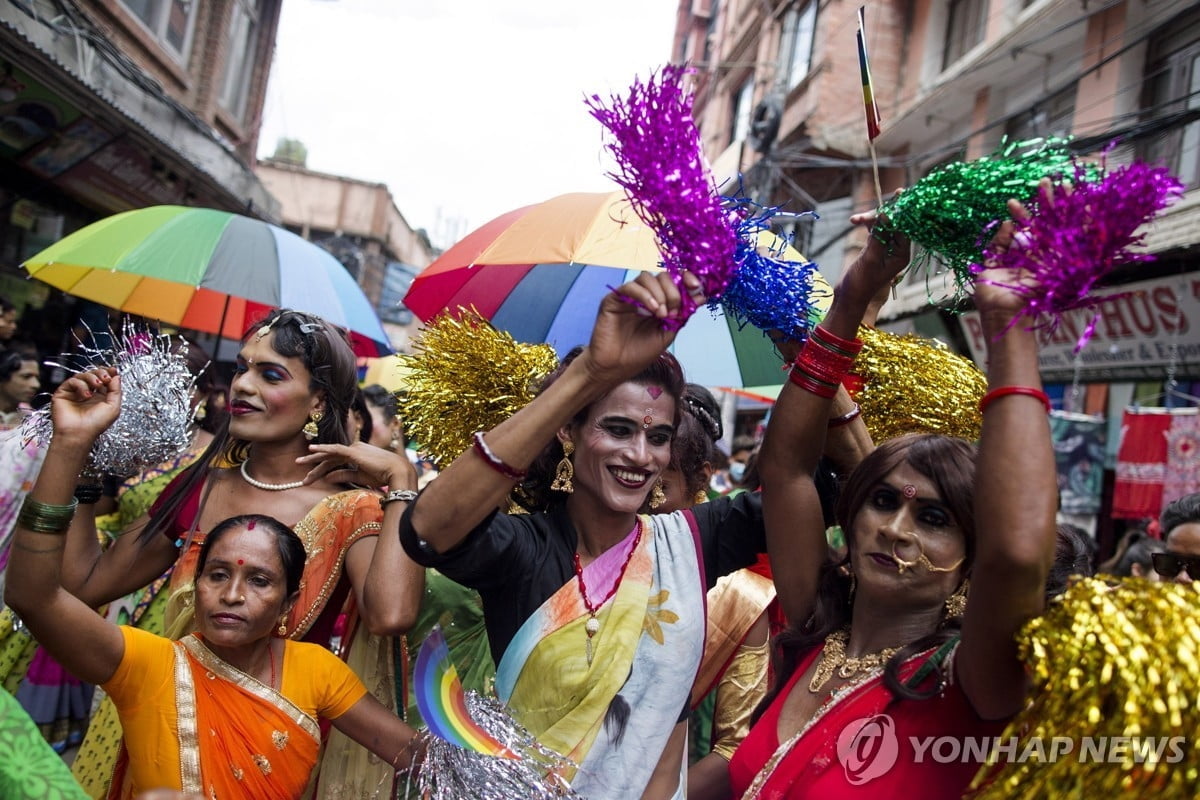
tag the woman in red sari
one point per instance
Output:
(881, 658)
(229, 711)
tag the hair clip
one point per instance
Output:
(310, 327)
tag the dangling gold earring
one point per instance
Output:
(657, 495)
(310, 429)
(282, 629)
(565, 470)
(956, 604)
(701, 496)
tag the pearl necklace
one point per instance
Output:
(268, 487)
(833, 657)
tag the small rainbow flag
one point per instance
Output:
(873, 119)
(443, 703)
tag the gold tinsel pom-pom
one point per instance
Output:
(1116, 693)
(917, 385)
(467, 376)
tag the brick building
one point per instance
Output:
(359, 223)
(779, 101)
(116, 104)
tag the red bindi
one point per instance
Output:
(240, 562)
(250, 525)
(909, 491)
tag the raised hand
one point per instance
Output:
(997, 290)
(359, 463)
(629, 332)
(85, 404)
(886, 255)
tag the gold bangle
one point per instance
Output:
(46, 517)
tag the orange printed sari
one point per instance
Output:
(237, 737)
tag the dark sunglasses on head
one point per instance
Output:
(1169, 564)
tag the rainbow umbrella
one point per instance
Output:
(539, 273)
(207, 270)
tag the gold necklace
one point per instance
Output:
(834, 658)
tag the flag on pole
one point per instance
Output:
(868, 90)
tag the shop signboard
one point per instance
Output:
(1139, 328)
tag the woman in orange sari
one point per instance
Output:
(232, 710)
(293, 385)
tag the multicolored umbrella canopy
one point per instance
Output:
(539, 273)
(207, 270)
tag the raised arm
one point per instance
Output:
(85, 643)
(98, 576)
(1016, 495)
(796, 437)
(625, 339)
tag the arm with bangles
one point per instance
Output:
(626, 337)
(95, 575)
(87, 645)
(1016, 497)
(796, 437)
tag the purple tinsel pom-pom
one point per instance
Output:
(1076, 234)
(661, 167)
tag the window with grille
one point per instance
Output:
(743, 104)
(966, 22)
(169, 21)
(241, 47)
(801, 23)
(1052, 116)
(1173, 86)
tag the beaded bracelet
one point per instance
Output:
(46, 517)
(494, 461)
(1003, 391)
(847, 418)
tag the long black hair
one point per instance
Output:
(288, 544)
(950, 464)
(325, 351)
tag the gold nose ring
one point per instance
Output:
(922, 559)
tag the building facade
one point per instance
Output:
(359, 223)
(110, 105)
(779, 102)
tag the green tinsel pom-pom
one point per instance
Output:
(949, 211)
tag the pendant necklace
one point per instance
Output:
(592, 626)
(834, 658)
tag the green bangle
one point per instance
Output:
(46, 517)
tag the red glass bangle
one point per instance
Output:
(1003, 391)
(847, 418)
(811, 383)
(494, 461)
(848, 347)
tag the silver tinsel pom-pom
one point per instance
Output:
(446, 771)
(155, 423)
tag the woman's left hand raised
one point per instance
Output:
(629, 332)
(359, 463)
(85, 404)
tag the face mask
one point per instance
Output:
(736, 470)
